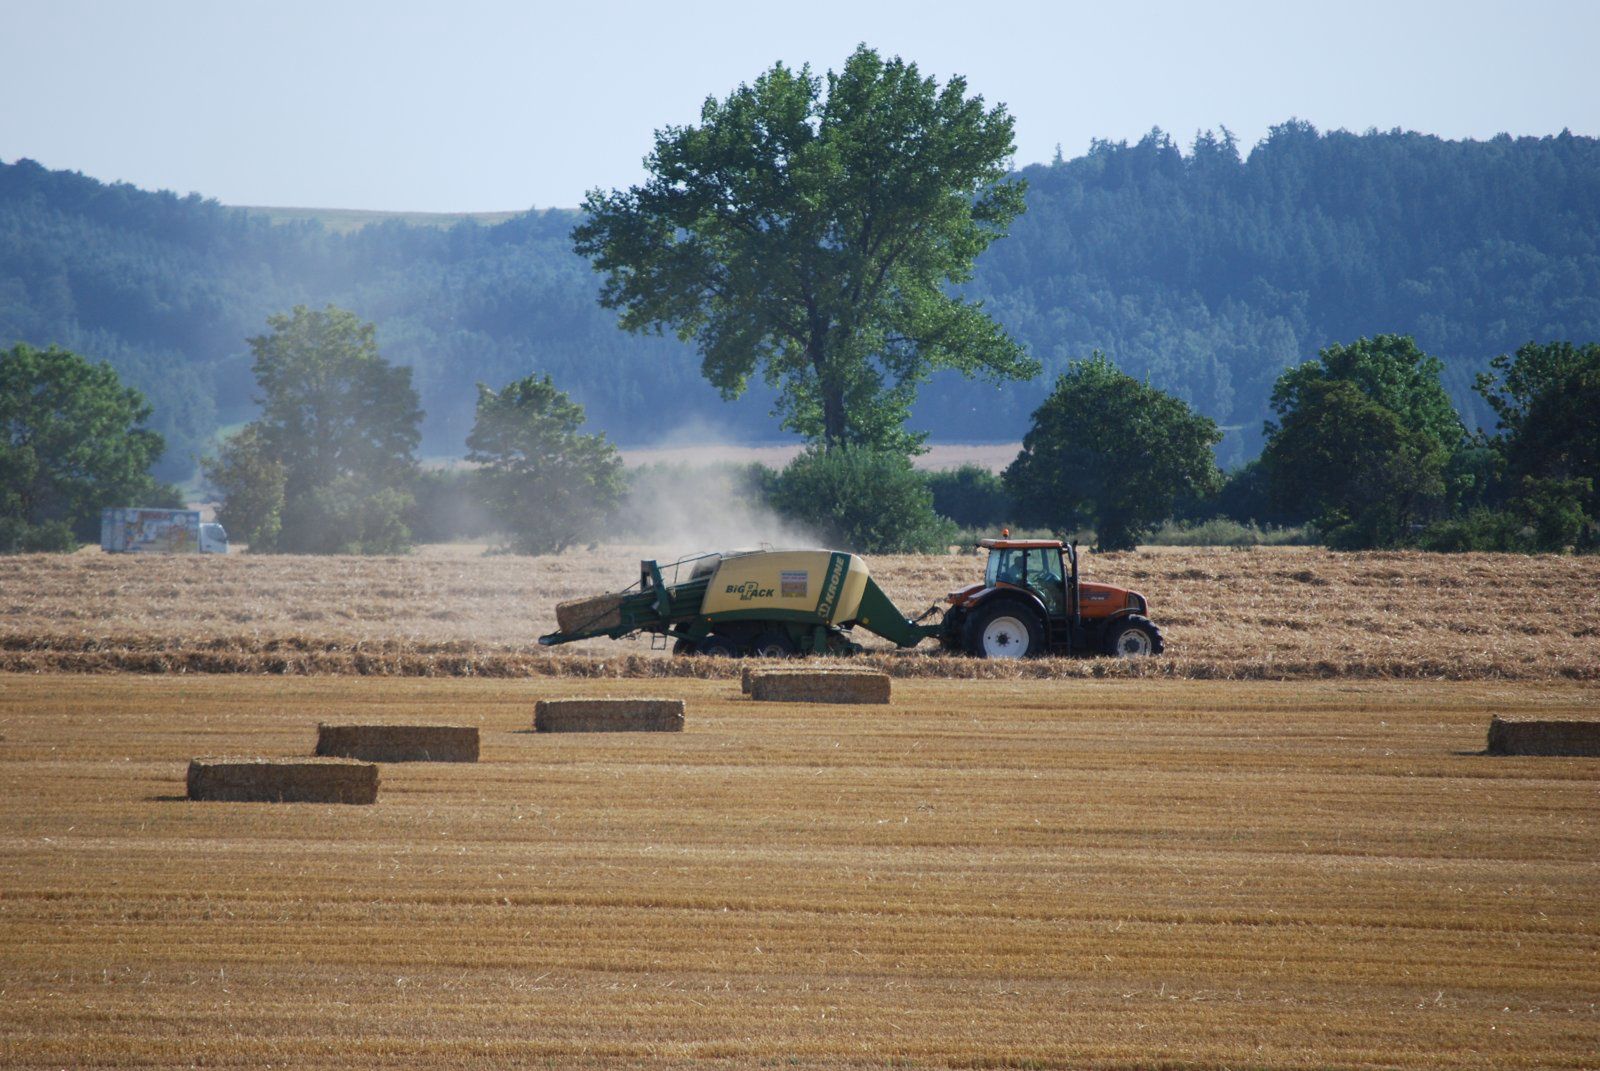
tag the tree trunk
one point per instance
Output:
(832, 393)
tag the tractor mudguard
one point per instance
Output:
(1006, 591)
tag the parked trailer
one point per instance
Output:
(141, 530)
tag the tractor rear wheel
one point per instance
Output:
(1004, 629)
(1134, 637)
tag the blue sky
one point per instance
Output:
(478, 105)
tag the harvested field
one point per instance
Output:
(1545, 736)
(1084, 874)
(282, 781)
(832, 686)
(400, 743)
(608, 715)
(1282, 613)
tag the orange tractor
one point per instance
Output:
(1032, 602)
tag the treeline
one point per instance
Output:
(1207, 272)
(1365, 450)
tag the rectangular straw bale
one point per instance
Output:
(1544, 736)
(833, 686)
(399, 743)
(608, 715)
(283, 780)
(749, 673)
(598, 612)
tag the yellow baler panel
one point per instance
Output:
(784, 580)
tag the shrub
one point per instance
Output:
(862, 500)
(971, 496)
(1226, 532)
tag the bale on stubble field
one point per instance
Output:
(749, 673)
(595, 612)
(829, 686)
(608, 715)
(283, 780)
(1544, 736)
(399, 743)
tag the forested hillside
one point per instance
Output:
(1206, 270)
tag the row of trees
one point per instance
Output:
(330, 464)
(1365, 447)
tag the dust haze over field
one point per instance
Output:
(677, 510)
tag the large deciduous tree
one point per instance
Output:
(1364, 437)
(547, 484)
(71, 443)
(1547, 399)
(328, 465)
(810, 236)
(1109, 450)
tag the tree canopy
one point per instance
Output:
(1108, 450)
(72, 442)
(548, 485)
(327, 466)
(1363, 439)
(811, 236)
(864, 500)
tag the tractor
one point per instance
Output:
(1032, 601)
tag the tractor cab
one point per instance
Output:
(1035, 565)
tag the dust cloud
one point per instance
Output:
(718, 504)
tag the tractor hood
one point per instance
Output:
(1103, 600)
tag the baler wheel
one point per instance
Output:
(774, 643)
(716, 646)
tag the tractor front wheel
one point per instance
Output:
(1004, 629)
(1134, 637)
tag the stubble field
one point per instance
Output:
(1279, 846)
(1283, 613)
(1052, 874)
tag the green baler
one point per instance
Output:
(765, 602)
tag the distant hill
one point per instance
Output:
(345, 220)
(1208, 271)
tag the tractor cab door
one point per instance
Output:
(1037, 568)
(1046, 579)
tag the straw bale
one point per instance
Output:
(598, 612)
(399, 743)
(283, 780)
(749, 673)
(1544, 736)
(608, 715)
(829, 686)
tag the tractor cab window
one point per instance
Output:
(1038, 569)
(1005, 567)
